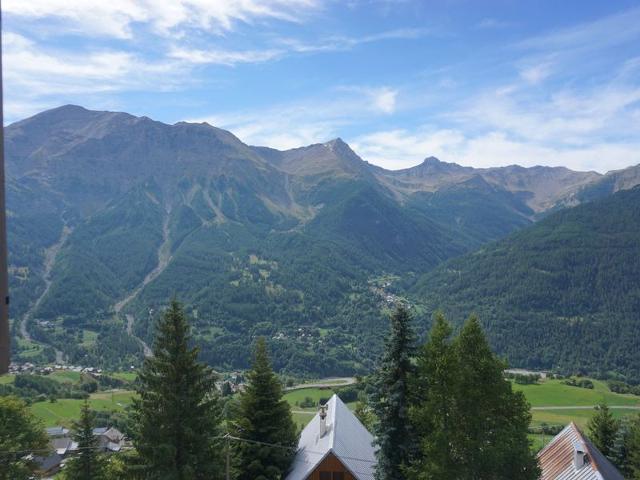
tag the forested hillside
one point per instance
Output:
(562, 293)
(111, 215)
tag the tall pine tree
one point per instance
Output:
(89, 464)
(633, 448)
(602, 429)
(390, 399)
(177, 415)
(491, 420)
(433, 405)
(263, 416)
(470, 423)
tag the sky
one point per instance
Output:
(479, 83)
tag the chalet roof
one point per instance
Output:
(557, 458)
(46, 464)
(57, 431)
(346, 438)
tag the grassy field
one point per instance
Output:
(66, 376)
(553, 393)
(6, 379)
(550, 393)
(126, 376)
(295, 397)
(302, 416)
(64, 411)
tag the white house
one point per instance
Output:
(334, 446)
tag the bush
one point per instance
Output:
(581, 383)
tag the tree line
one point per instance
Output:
(438, 410)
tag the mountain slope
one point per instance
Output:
(562, 293)
(295, 245)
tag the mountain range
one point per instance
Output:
(111, 215)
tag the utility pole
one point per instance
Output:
(228, 457)
(5, 348)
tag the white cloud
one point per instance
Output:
(341, 42)
(395, 149)
(603, 33)
(385, 100)
(224, 57)
(309, 121)
(36, 78)
(283, 47)
(535, 74)
(117, 17)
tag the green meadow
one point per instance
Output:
(553, 393)
(549, 393)
(65, 410)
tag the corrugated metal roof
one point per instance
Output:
(557, 458)
(346, 438)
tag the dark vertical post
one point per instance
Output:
(4, 276)
(228, 458)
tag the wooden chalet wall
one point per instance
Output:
(330, 464)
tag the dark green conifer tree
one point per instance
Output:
(633, 448)
(20, 431)
(470, 423)
(263, 416)
(491, 420)
(432, 413)
(177, 416)
(89, 464)
(619, 451)
(602, 429)
(390, 399)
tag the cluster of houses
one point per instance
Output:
(62, 446)
(29, 367)
(336, 446)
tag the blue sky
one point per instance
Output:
(480, 83)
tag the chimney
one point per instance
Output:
(580, 457)
(323, 420)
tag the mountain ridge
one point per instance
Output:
(258, 241)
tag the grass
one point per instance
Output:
(295, 397)
(28, 349)
(552, 393)
(89, 338)
(126, 376)
(302, 416)
(6, 379)
(66, 376)
(64, 411)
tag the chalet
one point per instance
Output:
(571, 456)
(109, 439)
(334, 446)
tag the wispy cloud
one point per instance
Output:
(283, 47)
(308, 121)
(224, 57)
(37, 77)
(493, 23)
(603, 33)
(117, 18)
(397, 149)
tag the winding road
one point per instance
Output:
(50, 255)
(325, 383)
(164, 257)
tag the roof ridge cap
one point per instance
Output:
(334, 422)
